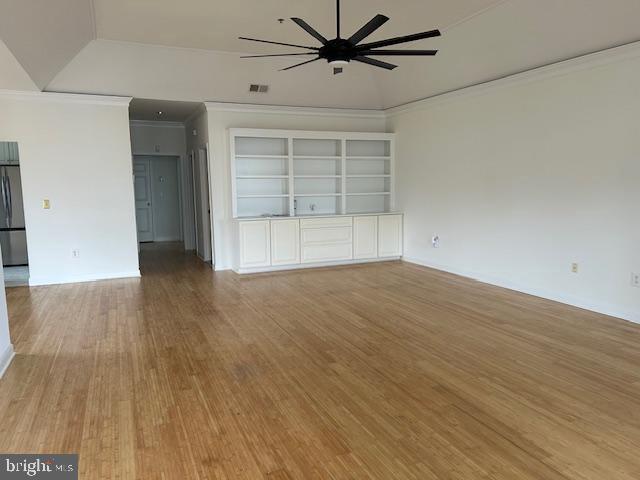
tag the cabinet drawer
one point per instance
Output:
(326, 253)
(326, 222)
(328, 235)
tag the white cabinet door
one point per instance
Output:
(389, 236)
(365, 237)
(285, 242)
(255, 244)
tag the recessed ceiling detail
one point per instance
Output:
(189, 50)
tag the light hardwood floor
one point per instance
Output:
(386, 371)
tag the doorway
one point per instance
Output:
(13, 233)
(202, 204)
(157, 196)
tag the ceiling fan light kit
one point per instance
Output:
(339, 52)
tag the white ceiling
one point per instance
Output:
(216, 24)
(149, 110)
(44, 35)
(189, 50)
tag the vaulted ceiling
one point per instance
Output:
(189, 50)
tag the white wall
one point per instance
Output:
(197, 135)
(74, 151)
(221, 118)
(523, 180)
(168, 138)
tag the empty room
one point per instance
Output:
(320, 239)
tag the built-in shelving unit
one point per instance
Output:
(294, 173)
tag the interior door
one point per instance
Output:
(144, 202)
(202, 205)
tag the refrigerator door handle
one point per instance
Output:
(9, 201)
(5, 205)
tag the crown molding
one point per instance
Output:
(288, 110)
(592, 60)
(77, 98)
(155, 124)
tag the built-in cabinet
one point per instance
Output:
(285, 242)
(365, 237)
(296, 173)
(390, 236)
(275, 243)
(327, 239)
(255, 244)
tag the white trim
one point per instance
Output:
(310, 134)
(67, 98)
(289, 110)
(5, 359)
(95, 277)
(604, 309)
(304, 266)
(155, 124)
(592, 60)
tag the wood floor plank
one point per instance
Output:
(377, 371)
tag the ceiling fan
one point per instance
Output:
(340, 51)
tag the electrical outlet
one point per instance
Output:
(435, 241)
(574, 267)
(635, 280)
(75, 253)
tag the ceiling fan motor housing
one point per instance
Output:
(338, 50)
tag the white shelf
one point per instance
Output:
(318, 195)
(317, 176)
(263, 196)
(262, 177)
(367, 194)
(369, 176)
(265, 157)
(272, 168)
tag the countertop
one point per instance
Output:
(319, 215)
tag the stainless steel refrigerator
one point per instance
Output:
(13, 236)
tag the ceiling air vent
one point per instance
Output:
(255, 88)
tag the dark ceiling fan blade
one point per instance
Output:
(397, 40)
(375, 63)
(300, 64)
(400, 53)
(277, 43)
(280, 55)
(310, 30)
(374, 24)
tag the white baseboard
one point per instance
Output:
(5, 359)
(605, 309)
(40, 281)
(302, 266)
